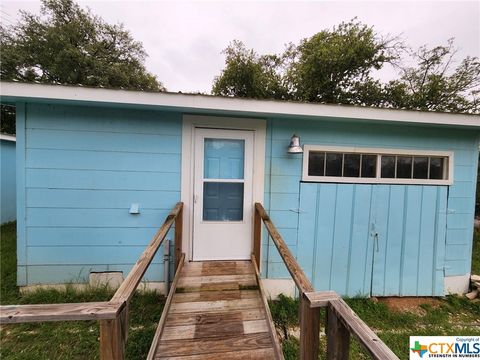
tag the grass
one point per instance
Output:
(451, 316)
(79, 340)
(69, 339)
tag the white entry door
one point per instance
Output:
(222, 226)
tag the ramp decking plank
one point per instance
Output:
(257, 354)
(217, 313)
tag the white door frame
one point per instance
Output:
(190, 122)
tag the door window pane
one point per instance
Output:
(388, 166)
(420, 167)
(404, 167)
(316, 163)
(436, 168)
(224, 159)
(351, 165)
(369, 166)
(222, 201)
(334, 164)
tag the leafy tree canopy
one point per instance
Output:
(249, 75)
(69, 45)
(436, 84)
(338, 66)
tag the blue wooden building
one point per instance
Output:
(8, 202)
(378, 202)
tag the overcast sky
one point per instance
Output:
(184, 39)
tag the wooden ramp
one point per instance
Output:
(218, 311)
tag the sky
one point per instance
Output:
(184, 39)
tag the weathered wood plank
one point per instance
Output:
(257, 354)
(214, 318)
(365, 335)
(211, 346)
(215, 295)
(209, 306)
(215, 330)
(166, 309)
(321, 298)
(199, 280)
(257, 238)
(298, 276)
(309, 330)
(14, 314)
(230, 270)
(271, 326)
(217, 263)
(129, 285)
(178, 237)
(112, 337)
(338, 337)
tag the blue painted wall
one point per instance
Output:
(84, 167)
(378, 240)
(8, 202)
(284, 191)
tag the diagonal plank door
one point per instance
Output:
(217, 312)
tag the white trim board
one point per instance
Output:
(14, 91)
(7, 137)
(259, 127)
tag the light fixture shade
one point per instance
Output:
(294, 147)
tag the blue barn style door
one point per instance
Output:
(378, 240)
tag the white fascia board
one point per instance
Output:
(11, 91)
(7, 137)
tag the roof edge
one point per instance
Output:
(16, 91)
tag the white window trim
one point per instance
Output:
(378, 179)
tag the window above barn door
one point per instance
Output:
(371, 165)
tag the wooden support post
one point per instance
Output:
(178, 237)
(309, 329)
(338, 337)
(257, 236)
(112, 337)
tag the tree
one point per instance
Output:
(330, 67)
(247, 74)
(335, 66)
(434, 86)
(70, 45)
(338, 66)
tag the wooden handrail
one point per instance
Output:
(298, 276)
(113, 315)
(277, 348)
(15, 314)
(166, 307)
(355, 326)
(340, 318)
(129, 285)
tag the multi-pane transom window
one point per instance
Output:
(376, 165)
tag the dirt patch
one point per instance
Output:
(411, 304)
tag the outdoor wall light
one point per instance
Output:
(294, 147)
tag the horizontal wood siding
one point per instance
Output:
(283, 193)
(8, 209)
(85, 166)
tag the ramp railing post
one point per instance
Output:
(178, 237)
(309, 329)
(112, 337)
